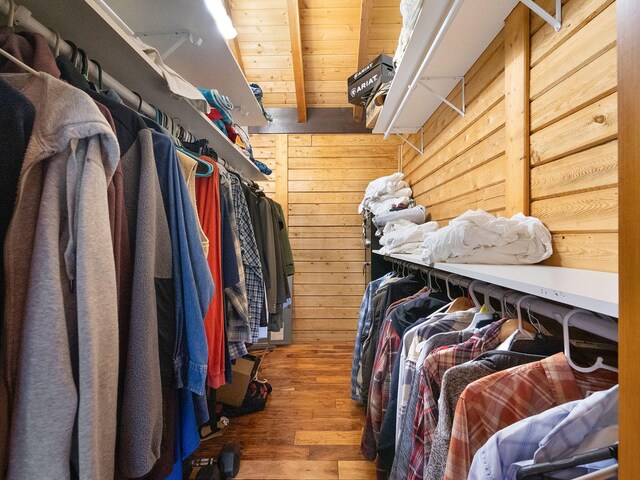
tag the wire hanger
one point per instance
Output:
(567, 347)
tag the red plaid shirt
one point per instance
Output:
(429, 382)
(388, 346)
(499, 400)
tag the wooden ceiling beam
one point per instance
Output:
(366, 17)
(293, 12)
(233, 44)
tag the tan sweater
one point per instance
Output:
(61, 318)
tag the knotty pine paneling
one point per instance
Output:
(574, 129)
(325, 180)
(573, 145)
(463, 165)
(329, 32)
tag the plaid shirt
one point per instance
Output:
(364, 324)
(388, 346)
(250, 258)
(499, 400)
(553, 434)
(429, 381)
(236, 300)
(404, 442)
(413, 342)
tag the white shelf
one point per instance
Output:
(474, 26)
(209, 65)
(593, 291)
(86, 24)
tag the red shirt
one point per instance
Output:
(208, 204)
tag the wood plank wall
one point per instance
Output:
(573, 137)
(320, 180)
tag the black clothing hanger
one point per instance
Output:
(537, 472)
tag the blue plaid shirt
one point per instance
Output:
(548, 436)
(250, 258)
(364, 325)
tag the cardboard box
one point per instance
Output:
(244, 372)
(374, 106)
(365, 82)
(372, 114)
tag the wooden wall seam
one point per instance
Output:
(516, 80)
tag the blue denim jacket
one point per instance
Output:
(193, 285)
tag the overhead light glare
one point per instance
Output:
(223, 22)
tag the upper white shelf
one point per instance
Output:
(593, 291)
(87, 24)
(208, 65)
(451, 52)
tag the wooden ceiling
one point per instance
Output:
(330, 38)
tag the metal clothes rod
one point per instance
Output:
(451, 15)
(24, 19)
(604, 327)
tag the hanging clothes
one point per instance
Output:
(208, 203)
(236, 309)
(250, 258)
(100, 214)
(539, 386)
(66, 235)
(454, 381)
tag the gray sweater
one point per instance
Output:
(141, 421)
(61, 287)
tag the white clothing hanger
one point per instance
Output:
(10, 21)
(478, 317)
(21, 64)
(506, 345)
(472, 294)
(11, 16)
(567, 347)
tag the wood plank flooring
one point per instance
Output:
(310, 429)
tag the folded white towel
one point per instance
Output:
(415, 214)
(404, 236)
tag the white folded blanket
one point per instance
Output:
(415, 214)
(479, 237)
(404, 236)
(384, 188)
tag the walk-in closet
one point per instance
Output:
(319, 239)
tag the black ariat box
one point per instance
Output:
(365, 82)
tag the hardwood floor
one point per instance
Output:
(310, 429)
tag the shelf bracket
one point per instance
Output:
(554, 21)
(463, 108)
(419, 150)
(181, 37)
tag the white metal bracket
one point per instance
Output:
(181, 37)
(555, 21)
(419, 150)
(463, 108)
